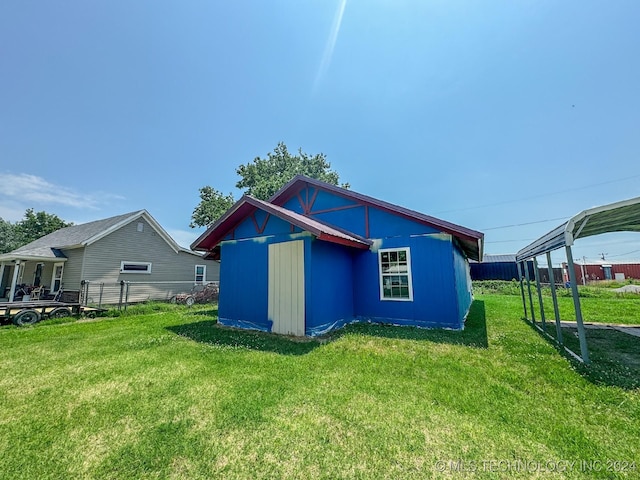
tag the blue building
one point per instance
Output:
(316, 257)
(495, 267)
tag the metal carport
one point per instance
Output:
(615, 217)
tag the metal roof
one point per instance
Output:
(505, 258)
(623, 216)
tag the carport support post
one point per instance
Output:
(536, 272)
(554, 296)
(576, 303)
(121, 294)
(526, 275)
(524, 302)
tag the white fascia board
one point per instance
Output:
(31, 258)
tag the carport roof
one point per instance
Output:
(623, 216)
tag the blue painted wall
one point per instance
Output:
(434, 295)
(244, 280)
(274, 226)
(324, 200)
(341, 283)
(462, 284)
(381, 223)
(329, 300)
(243, 284)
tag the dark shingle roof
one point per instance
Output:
(49, 245)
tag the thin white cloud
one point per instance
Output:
(331, 45)
(184, 238)
(27, 189)
(11, 212)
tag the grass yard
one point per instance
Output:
(599, 304)
(169, 394)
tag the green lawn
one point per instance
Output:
(169, 394)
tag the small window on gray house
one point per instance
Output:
(201, 273)
(135, 267)
(140, 227)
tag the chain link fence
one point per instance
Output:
(121, 294)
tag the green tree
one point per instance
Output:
(262, 178)
(8, 240)
(211, 207)
(37, 224)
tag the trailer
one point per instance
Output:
(28, 313)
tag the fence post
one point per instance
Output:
(83, 293)
(121, 294)
(126, 296)
(101, 290)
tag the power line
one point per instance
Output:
(528, 223)
(623, 254)
(512, 241)
(537, 196)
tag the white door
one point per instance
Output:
(286, 287)
(56, 279)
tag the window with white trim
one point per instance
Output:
(135, 267)
(395, 274)
(201, 273)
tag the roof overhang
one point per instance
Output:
(247, 205)
(623, 216)
(9, 258)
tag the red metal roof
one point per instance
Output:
(247, 205)
(470, 240)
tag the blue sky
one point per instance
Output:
(485, 114)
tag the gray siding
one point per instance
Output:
(103, 258)
(72, 273)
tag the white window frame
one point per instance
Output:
(55, 277)
(147, 271)
(204, 274)
(382, 275)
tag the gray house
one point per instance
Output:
(132, 247)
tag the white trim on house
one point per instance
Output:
(402, 269)
(134, 267)
(203, 274)
(57, 278)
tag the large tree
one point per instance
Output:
(33, 226)
(211, 207)
(8, 240)
(262, 178)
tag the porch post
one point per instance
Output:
(576, 303)
(1, 277)
(14, 281)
